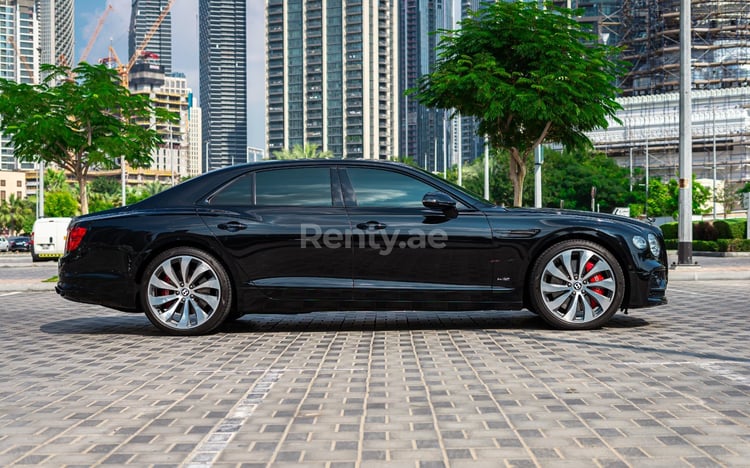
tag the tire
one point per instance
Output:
(179, 307)
(577, 285)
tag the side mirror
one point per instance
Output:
(440, 202)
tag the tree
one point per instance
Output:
(16, 215)
(569, 176)
(79, 124)
(529, 75)
(60, 203)
(501, 189)
(307, 152)
(663, 199)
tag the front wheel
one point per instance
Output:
(577, 285)
(186, 292)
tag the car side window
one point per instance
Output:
(309, 186)
(375, 188)
(238, 192)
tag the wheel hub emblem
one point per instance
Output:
(577, 286)
(184, 291)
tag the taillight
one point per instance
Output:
(75, 236)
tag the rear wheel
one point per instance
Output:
(186, 292)
(577, 285)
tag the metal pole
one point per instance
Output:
(460, 152)
(713, 118)
(645, 208)
(685, 222)
(487, 169)
(538, 160)
(631, 168)
(122, 181)
(40, 189)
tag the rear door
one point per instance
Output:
(272, 222)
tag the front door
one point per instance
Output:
(405, 252)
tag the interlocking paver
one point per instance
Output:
(82, 385)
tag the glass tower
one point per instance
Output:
(223, 81)
(143, 16)
(332, 76)
(56, 31)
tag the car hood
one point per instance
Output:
(589, 216)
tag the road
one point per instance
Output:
(669, 386)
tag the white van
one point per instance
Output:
(48, 238)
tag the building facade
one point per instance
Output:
(647, 136)
(143, 15)
(56, 31)
(425, 133)
(19, 60)
(720, 31)
(12, 184)
(332, 76)
(223, 81)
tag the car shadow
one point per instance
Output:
(138, 324)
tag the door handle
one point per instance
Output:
(232, 226)
(371, 226)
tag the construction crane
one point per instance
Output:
(124, 70)
(93, 37)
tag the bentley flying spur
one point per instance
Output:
(318, 235)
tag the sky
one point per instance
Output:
(184, 47)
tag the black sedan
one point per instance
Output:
(299, 236)
(19, 244)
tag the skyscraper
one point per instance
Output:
(20, 61)
(332, 76)
(423, 129)
(143, 16)
(223, 76)
(56, 31)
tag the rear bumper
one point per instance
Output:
(107, 292)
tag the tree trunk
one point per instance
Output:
(83, 196)
(517, 175)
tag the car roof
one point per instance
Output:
(193, 189)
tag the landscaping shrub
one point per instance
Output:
(705, 231)
(669, 230)
(733, 228)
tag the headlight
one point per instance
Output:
(653, 245)
(639, 243)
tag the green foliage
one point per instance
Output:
(472, 175)
(60, 203)
(134, 195)
(79, 123)
(705, 230)
(55, 181)
(732, 228)
(569, 176)
(718, 230)
(663, 199)
(528, 74)
(17, 215)
(670, 230)
(307, 152)
(733, 245)
(107, 185)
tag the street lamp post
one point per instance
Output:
(685, 222)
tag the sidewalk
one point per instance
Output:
(709, 267)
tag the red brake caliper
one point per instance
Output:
(598, 277)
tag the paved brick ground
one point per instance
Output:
(82, 385)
